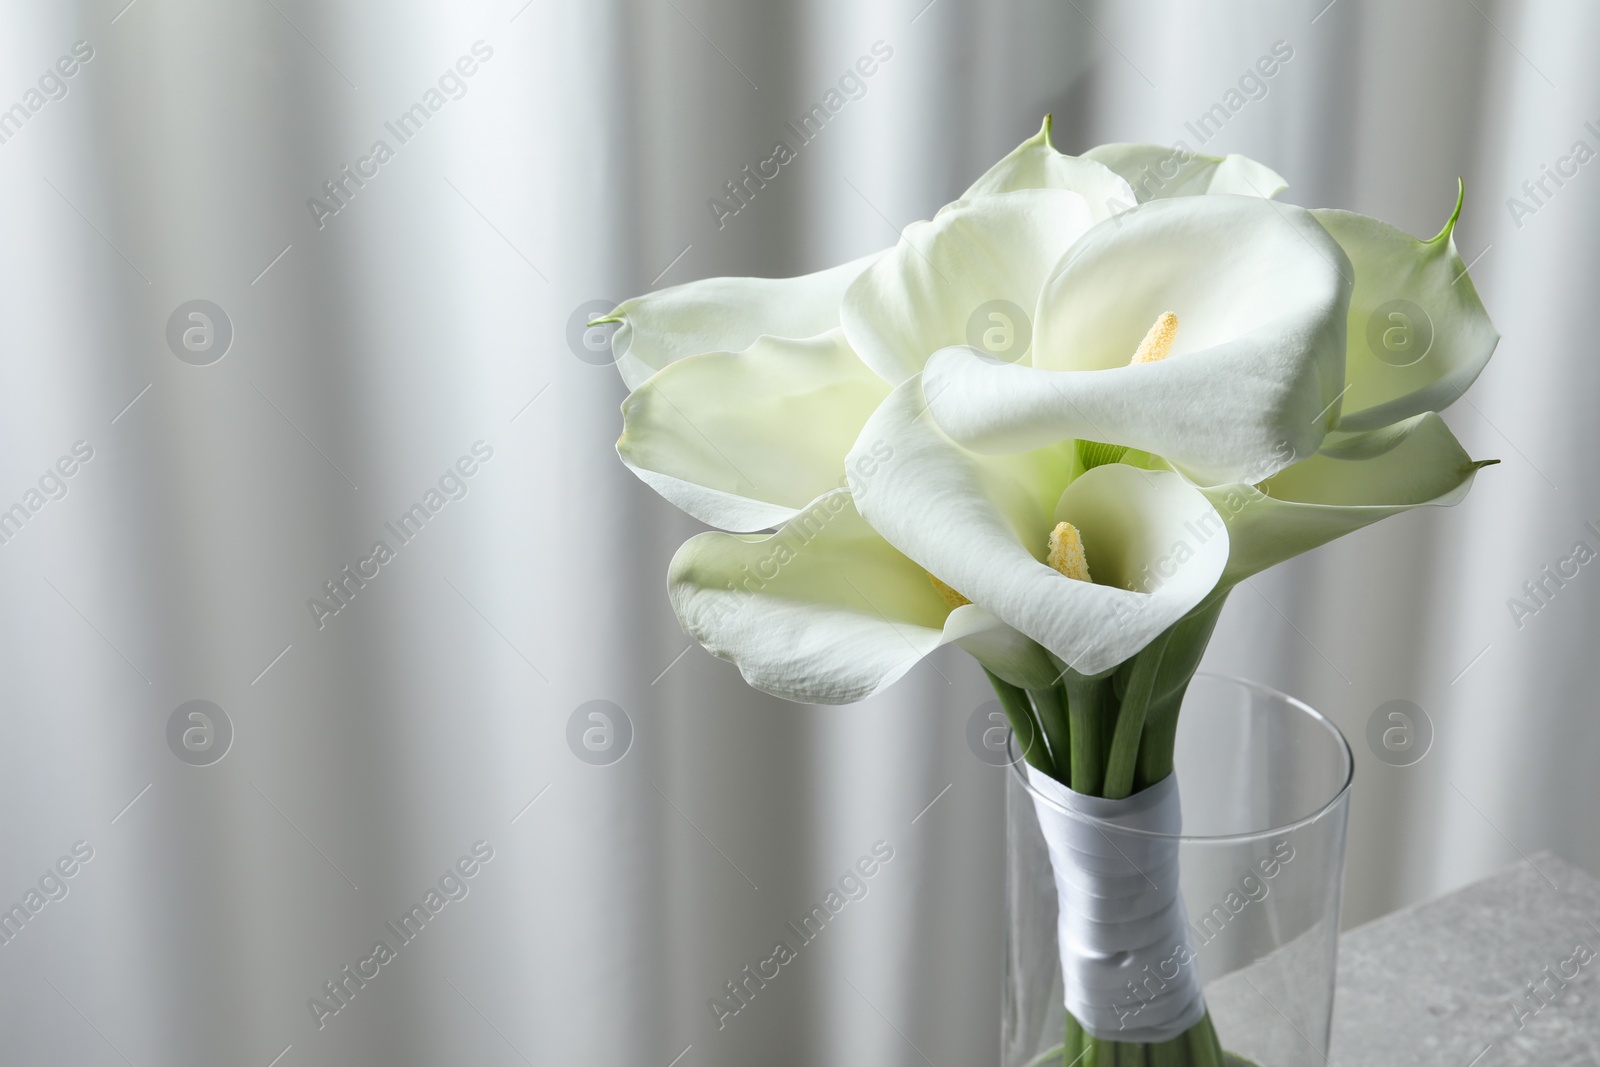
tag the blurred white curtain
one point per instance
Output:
(373, 347)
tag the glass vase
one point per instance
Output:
(1264, 782)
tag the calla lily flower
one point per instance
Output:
(744, 440)
(1418, 334)
(1356, 479)
(1254, 374)
(1035, 164)
(831, 609)
(920, 296)
(981, 524)
(826, 611)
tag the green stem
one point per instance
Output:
(1050, 711)
(1030, 734)
(1083, 1049)
(1156, 746)
(1185, 648)
(1072, 1047)
(1174, 1053)
(1204, 1049)
(1130, 721)
(1197, 1047)
(1091, 709)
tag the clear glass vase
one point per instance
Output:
(1265, 786)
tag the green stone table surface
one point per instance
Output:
(1447, 982)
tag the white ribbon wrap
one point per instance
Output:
(1126, 959)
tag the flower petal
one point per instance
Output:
(1418, 334)
(724, 315)
(928, 290)
(1035, 164)
(1014, 656)
(981, 523)
(1156, 173)
(826, 611)
(1356, 480)
(743, 440)
(1260, 291)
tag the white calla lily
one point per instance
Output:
(1035, 164)
(724, 315)
(826, 611)
(744, 440)
(981, 524)
(1353, 482)
(921, 295)
(1418, 334)
(1254, 375)
(1156, 173)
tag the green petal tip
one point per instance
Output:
(1450, 224)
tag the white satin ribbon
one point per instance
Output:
(1126, 959)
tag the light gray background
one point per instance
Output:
(431, 313)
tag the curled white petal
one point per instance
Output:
(1035, 164)
(981, 523)
(743, 440)
(925, 292)
(1155, 172)
(1356, 480)
(1418, 334)
(724, 315)
(826, 611)
(1260, 291)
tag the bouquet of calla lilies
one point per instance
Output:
(1201, 382)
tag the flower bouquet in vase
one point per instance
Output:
(1056, 425)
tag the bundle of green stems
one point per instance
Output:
(1112, 735)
